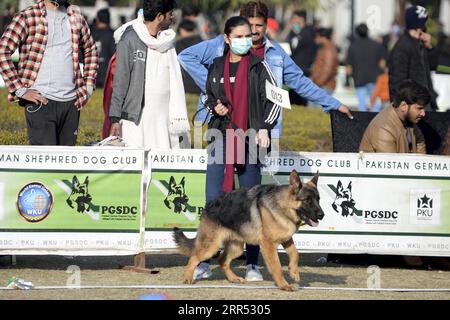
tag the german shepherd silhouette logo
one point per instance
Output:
(344, 203)
(177, 199)
(79, 198)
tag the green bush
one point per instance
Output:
(304, 129)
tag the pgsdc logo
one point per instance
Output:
(34, 202)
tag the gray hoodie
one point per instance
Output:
(129, 78)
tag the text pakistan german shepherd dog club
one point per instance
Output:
(265, 215)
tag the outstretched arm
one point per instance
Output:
(197, 59)
(295, 79)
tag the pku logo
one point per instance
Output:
(425, 206)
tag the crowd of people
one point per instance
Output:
(146, 68)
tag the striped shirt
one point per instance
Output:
(28, 32)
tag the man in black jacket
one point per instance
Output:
(187, 30)
(301, 38)
(104, 39)
(410, 58)
(366, 59)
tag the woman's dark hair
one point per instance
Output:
(153, 7)
(234, 22)
(411, 92)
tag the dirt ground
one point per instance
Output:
(51, 271)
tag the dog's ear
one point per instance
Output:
(86, 181)
(315, 179)
(172, 182)
(182, 182)
(294, 182)
(350, 186)
(340, 188)
(75, 181)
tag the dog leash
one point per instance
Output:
(195, 115)
(236, 128)
(233, 125)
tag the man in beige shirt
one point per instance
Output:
(394, 129)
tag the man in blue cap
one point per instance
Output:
(409, 58)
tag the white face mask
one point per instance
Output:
(241, 46)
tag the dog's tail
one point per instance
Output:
(184, 244)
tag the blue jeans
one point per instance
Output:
(249, 175)
(364, 93)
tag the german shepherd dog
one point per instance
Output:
(265, 215)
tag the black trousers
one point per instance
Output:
(54, 124)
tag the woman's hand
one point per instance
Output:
(262, 138)
(220, 109)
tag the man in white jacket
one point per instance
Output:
(148, 105)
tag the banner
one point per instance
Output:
(373, 203)
(120, 201)
(80, 200)
(176, 195)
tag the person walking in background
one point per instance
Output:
(49, 83)
(203, 25)
(389, 40)
(325, 67)
(301, 38)
(148, 104)
(197, 59)
(273, 27)
(104, 39)
(409, 58)
(366, 59)
(189, 36)
(380, 96)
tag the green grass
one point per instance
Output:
(304, 129)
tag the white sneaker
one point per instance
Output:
(203, 271)
(253, 273)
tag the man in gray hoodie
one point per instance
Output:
(148, 106)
